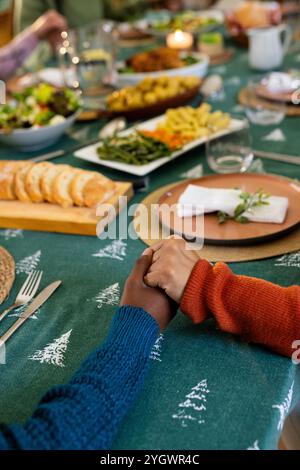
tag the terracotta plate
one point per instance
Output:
(264, 92)
(234, 233)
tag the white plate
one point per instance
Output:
(199, 70)
(90, 153)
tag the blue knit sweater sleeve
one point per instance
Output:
(87, 411)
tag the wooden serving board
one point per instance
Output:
(52, 218)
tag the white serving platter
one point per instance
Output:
(90, 153)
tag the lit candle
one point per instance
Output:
(180, 40)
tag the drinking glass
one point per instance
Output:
(90, 53)
(231, 153)
(260, 111)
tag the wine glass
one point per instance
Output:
(261, 111)
(231, 153)
(90, 53)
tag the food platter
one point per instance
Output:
(90, 153)
(234, 233)
(199, 69)
(191, 21)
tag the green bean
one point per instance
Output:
(135, 149)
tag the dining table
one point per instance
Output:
(205, 389)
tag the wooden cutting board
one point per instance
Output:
(52, 218)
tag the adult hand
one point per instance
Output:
(171, 266)
(152, 300)
(49, 26)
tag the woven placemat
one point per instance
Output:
(7, 273)
(286, 244)
(247, 99)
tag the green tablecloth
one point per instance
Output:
(205, 389)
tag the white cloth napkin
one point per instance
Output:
(196, 200)
(280, 82)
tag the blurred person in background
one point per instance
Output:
(47, 27)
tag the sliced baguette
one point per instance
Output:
(20, 179)
(47, 181)
(96, 191)
(8, 171)
(79, 182)
(33, 181)
(61, 187)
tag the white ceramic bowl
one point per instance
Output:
(199, 70)
(28, 140)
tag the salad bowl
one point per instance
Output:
(38, 117)
(32, 139)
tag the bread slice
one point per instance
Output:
(8, 171)
(47, 181)
(79, 182)
(20, 178)
(33, 181)
(61, 187)
(96, 191)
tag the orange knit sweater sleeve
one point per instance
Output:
(258, 310)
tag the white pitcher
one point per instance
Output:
(267, 46)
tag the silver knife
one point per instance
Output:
(35, 304)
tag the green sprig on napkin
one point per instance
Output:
(249, 201)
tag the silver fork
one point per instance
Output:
(26, 292)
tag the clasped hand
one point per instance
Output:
(158, 279)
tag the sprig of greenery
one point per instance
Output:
(249, 202)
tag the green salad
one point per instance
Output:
(187, 21)
(38, 106)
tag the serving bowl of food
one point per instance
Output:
(153, 96)
(38, 116)
(191, 21)
(161, 61)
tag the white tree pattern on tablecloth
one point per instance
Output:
(156, 350)
(108, 296)
(194, 405)
(276, 136)
(254, 446)
(54, 352)
(18, 312)
(284, 407)
(28, 264)
(116, 250)
(290, 260)
(8, 234)
(195, 172)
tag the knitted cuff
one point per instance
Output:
(134, 328)
(193, 302)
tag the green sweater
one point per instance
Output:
(78, 12)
